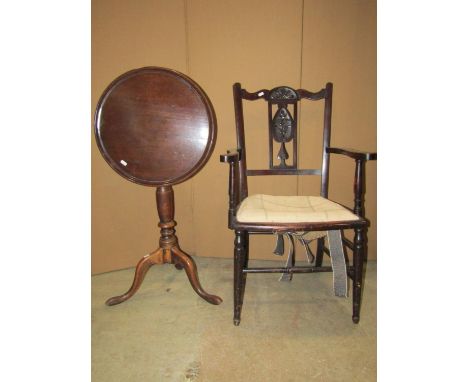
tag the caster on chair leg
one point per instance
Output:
(356, 319)
(236, 321)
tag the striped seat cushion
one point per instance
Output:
(291, 209)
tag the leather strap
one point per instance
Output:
(340, 277)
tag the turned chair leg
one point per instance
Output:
(184, 260)
(241, 243)
(245, 263)
(140, 272)
(358, 260)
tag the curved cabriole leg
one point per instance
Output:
(184, 260)
(140, 272)
(358, 260)
(240, 259)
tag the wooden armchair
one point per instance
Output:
(294, 216)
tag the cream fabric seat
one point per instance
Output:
(291, 209)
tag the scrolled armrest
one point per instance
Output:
(231, 156)
(355, 154)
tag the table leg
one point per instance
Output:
(140, 272)
(180, 257)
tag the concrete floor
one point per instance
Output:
(295, 331)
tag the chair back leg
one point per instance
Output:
(319, 254)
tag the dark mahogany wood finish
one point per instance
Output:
(156, 127)
(282, 124)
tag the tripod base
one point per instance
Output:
(168, 252)
(173, 255)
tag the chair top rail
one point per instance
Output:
(283, 93)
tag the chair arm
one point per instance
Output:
(361, 158)
(355, 154)
(231, 156)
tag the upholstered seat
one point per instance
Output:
(291, 209)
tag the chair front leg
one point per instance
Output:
(358, 261)
(240, 261)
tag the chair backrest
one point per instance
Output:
(283, 128)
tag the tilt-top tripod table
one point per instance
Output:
(157, 127)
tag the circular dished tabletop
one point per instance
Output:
(155, 126)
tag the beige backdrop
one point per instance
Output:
(262, 44)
